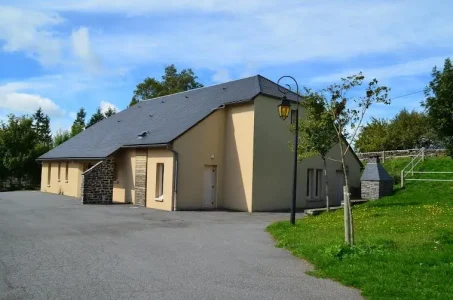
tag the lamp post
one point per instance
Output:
(283, 110)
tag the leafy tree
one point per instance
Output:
(110, 112)
(337, 102)
(42, 127)
(79, 123)
(439, 104)
(60, 137)
(316, 132)
(172, 82)
(96, 117)
(20, 146)
(406, 130)
(374, 136)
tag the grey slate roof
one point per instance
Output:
(164, 118)
(375, 172)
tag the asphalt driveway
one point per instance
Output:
(51, 247)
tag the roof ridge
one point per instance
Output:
(203, 87)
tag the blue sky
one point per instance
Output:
(62, 55)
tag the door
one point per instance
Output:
(210, 186)
(339, 179)
(141, 159)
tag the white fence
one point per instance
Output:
(399, 153)
(409, 170)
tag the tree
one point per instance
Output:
(41, 124)
(79, 123)
(439, 104)
(172, 82)
(60, 137)
(374, 136)
(110, 112)
(407, 130)
(317, 133)
(96, 117)
(337, 104)
(20, 146)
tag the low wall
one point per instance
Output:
(383, 155)
(97, 183)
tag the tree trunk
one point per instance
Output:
(326, 181)
(348, 222)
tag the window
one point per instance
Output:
(66, 172)
(293, 116)
(49, 170)
(159, 182)
(59, 171)
(309, 182)
(318, 183)
(314, 183)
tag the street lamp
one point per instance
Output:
(283, 110)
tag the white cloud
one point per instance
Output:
(106, 105)
(30, 32)
(221, 76)
(29, 103)
(410, 68)
(278, 33)
(82, 49)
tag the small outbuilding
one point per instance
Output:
(375, 181)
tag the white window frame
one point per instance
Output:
(160, 173)
(314, 184)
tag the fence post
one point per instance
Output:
(412, 169)
(423, 154)
(383, 156)
(402, 179)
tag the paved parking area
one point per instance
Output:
(51, 247)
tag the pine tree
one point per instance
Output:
(79, 123)
(110, 112)
(41, 124)
(96, 117)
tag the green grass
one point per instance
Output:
(404, 242)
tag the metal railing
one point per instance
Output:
(409, 169)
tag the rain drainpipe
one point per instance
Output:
(175, 176)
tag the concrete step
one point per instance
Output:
(317, 211)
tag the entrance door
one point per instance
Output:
(210, 182)
(339, 179)
(140, 176)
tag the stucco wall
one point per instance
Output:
(156, 156)
(69, 187)
(273, 164)
(123, 188)
(238, 157)
(201, 146)
(273, 160)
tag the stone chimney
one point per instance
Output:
(376, 182)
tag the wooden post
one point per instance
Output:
(347, 219)
(383, 156)
(402, 179)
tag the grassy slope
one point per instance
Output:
(404, 242)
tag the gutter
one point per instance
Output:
(175, 176)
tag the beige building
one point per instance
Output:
(222, 146)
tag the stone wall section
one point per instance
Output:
(373, 190)
(97, 183)
(141, 160)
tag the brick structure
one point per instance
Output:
(375, 182)
(140, 176)
(97, 183)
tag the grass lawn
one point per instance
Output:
(404, 242)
